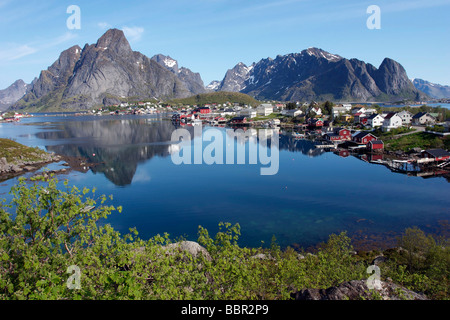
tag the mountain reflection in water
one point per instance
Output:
(119, 145)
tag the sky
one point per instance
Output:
(212, 36)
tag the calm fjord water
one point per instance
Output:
(314, 193)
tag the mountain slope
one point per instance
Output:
(13, 93)
(434, 90)
(100, 74)
(315, 74)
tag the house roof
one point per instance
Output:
(419, 115)
(390, 115)
(239, 118)
(373, 116)
(376, 142)
(438, 153)
(362, 134)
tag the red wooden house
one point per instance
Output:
(339, 134)
(436, 154)
(375, 145)
(238, 120)
(364, 137)
(315, 123)
(202, 110)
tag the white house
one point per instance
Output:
(406, 116)
(347, 106)
(375, 120)
(339, 110)
(316, 110)
(423, 118)
(359, 110)
(391, 121)
(370, 111)
(249, 113)
(291, 113)
(228, 112)
(264, 109)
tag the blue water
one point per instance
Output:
(314, 193)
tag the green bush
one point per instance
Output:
(52, 229)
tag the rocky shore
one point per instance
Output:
(17, 159)
(10, 168)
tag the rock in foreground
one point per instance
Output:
(358, 290)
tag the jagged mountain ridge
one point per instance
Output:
(109, 72)
(106, 73)
(314, 74)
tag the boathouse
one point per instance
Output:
(436, 154)
(375, 145)
(239, 120)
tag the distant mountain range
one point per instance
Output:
(434, 90)
(315, 74)
(109, 72)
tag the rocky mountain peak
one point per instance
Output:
(167, 62)
(322, 54)
(114, 39)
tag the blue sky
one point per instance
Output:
(211, 36)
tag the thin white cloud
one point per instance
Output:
(15, 51)
(133, 34)
(413, 5)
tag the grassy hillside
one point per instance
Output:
(217, 97)
(13, 151)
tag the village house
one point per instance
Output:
(347, 106)
(264, 109)
(291, 113)
(358, 109)
(391, 121)
(249, 113)
(423, 118)
(338, 134)
(228, 112)
(375, 145)
(239, 120)
(202, 110)
(363, 137)
(375, 120)
(357, 117)
(315, 123)
(436, 154)
(406, 117)
(338, 110)
(316, 110)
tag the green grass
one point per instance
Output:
(14, 151)
(269, 117)
(421, 140)
(216, 97)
